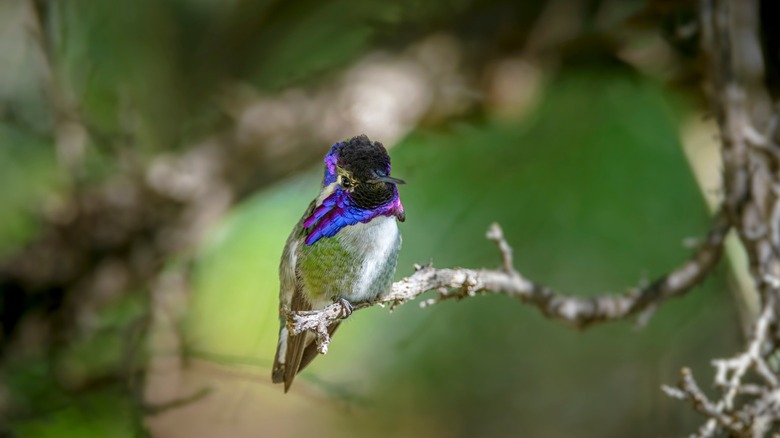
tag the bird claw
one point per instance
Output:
(346, 307)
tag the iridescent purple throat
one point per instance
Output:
(339, 210)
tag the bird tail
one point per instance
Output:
(293, 354)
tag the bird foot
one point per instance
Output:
(346, 307)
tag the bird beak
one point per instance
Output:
(388, 179)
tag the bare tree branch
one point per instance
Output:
(580, 312)
(750, 402)
(688, 389)
(758, 410)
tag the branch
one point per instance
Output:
(159, 408)
(688, 389)
(758, 409)
(579, 312)
(749, 386)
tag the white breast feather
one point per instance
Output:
(375, 240)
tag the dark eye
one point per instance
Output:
(346, 183)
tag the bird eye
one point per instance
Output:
(346, 183)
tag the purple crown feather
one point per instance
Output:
(330, 164)
(332, 158)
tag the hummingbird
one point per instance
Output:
(344, 248)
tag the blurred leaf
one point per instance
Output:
(102, 414)
(29, 173)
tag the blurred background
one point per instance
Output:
(154, 156)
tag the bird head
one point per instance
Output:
(357, 187)
(361, 168)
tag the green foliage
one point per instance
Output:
(150, 70)
(94, 367)
(98, 414)
(28, 173)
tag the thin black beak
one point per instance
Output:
(388, 179)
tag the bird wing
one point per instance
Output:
(288, 265)
(290, 349)
(296, 343)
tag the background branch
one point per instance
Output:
(757, 410)
(736, 74)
